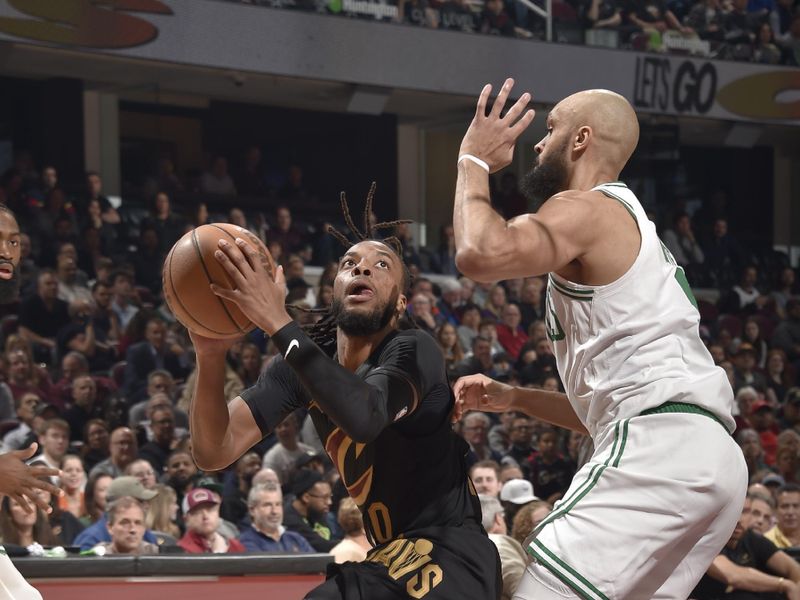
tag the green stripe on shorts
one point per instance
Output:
(582, 586)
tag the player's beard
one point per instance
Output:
(9, 288)
(359, 324)
(546, 179)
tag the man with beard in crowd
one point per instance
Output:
(234, 504)
(18, 480)
(382, 406)
(625, 330)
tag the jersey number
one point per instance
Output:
(381, 522)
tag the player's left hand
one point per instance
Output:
(492, 137)
(260, 297)
(479, 392)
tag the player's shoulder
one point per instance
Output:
(412, 339)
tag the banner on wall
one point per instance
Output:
(231, 35)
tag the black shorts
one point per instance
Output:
(435, 563)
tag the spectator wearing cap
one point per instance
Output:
(201, 516)
(120, 487)
(772, 482)
(762, 417)
(746, 372)
(485, 476)
(790, 410)
(123, 450)
(515, 494)
(787, 334)
(786, 532)
(513, 559)
(234, 503)
(306, 513)
(267, 532)
(126, 529)
(283, 455)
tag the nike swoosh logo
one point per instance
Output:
(292, 345)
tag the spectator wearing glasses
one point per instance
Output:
(144, 472)
(123, 452)
(307, 512)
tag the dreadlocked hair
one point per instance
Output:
(323, 333)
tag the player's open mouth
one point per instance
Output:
(359, 291)
(6, 271)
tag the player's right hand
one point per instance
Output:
(479, 392)
(21, 482)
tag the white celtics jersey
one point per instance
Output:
(633, 344)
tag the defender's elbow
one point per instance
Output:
(474, 265)
(208, 461)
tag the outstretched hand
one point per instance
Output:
(492, 137)
(257, 294)
(21, 482)
(479, 392)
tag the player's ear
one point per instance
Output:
(402, 302)
(581, 140)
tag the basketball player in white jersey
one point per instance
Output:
(663, 491)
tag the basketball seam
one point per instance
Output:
(208, 277)
(182, 305)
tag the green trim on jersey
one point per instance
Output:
(579, 584)
(680, 277)
(624, 203)
(570, 292)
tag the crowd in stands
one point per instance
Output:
(761, 31)
(97, 371)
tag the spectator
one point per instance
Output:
(96, 443)
(488, 329)
(762, 509)
(780, 18)
(764, 49)
(266, 532)
(53, 441)
(106, 323)
(499, 433)
(119, 488)
(750, 443)
(722, 252)
(159, 382)
(522, 449)
(64, 525)
(306, 513)
(283, 455)
(249, 365)
(528, 517)
(480, 361)
(169, 227)
(681, 242)
(95, 495)
(127, 530)
(786, 532)
(707, 19)
(551, 472)
(515, 494)
(470, 321)
(787, 462)
(510, 333)
(779, 375)
(199, 216)
(485, 477)
(513, 559)
(148, 260)
(23, 435)
(509, 472)
(443, 258)
(162, 515)
(94, 186)
(24, 376)
(285, 233)
(749, 563)
(752, 335)
(603, 14)
(783, 291)
(746, 296)
(217, 180)
(70, 288)
(493, 307)
(355, 545)
(146, 356)
(162, 423)
(447, 338)
(495, 20)
(123, 304)
(201, 515)
(234, 503)
(79, 335)
(530, 304)
(42, 315)
(181, 471)
(747, 373)
(449, 305)
(142, 470)
(762, 417)
(85, 406)
(250, 179)
(787, 334)
(123, 448)
(654, 16)
(142, 419)
(739, 24)
(475, 430)
(23, 528)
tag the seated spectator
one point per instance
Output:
(510, 333)
(250, 179)
(485, 476)
(70, 288)
(23, 435)
(522, 450)
(99, 531)
(603, 14)
(447, 338)
(144, 472)
(167, 225)
(234, 503)
(787, 334)
(495, 20)
(527, 519)
(123, 450)
(787, 461)
(73, 480)
(85, 406)
(779, 375)
(488, 329)
(747, 374)
(250, 364)
(764, 49)
(306, 514)
(266, 532)
(762, 418)
(468, 329)
(786, 532)
(551, 472)
(94, 189)
(96, 439)
(286, 234)
(24, 376)
(143, 419)
(475, 431)
(749, 563)
(707, 19)
(216, 180)
(148, 260)
(783, 291)
(443, 258)
(23, 528)
(513, 559)
(515, 494)
(181, 471)
(146, 356)
(283, 455)
(123, 304)
(750, 443)
(42, 315)
(355, 545)
(162, 424)
(495, 302)
(499, 434)
(780, 19)
(654, 16)
(53, 442)
(480, 361)
(762, 509)
(740, 24)
(162, 515)
(681, 242)
(127, 530)
(201, 515)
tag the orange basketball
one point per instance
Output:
(190, 268)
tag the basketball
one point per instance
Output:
(190, 268)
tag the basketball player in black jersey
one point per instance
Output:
(381, 407)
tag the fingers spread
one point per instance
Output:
(480, 111)
(223, 292)
(500, 101)
(518, 107)
(523, 123)
(22, 501)
(249, 253)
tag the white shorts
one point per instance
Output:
(647, 514)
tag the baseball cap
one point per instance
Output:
(304, 480)
(517, 491)
(129, 486)
(197, 497)
(773, 479)
(209, 483)
(306, 458)
(759, 405)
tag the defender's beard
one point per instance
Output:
(546, 179)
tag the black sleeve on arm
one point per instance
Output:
(362, 408)
(276, 393)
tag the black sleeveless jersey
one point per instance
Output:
(413, 474)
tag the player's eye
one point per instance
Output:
(383, 264)
(347, 262)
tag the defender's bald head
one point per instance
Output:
(613, 121)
